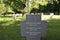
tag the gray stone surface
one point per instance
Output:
(33, 17)
(30, 27)
(33, 37)
(23, 25)
(33, 27)
(44, 28)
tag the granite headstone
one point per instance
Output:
(33, 27)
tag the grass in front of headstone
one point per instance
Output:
(53, 30)
(10, 29)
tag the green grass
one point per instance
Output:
(10, 29)
(53, 29)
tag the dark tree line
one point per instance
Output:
(51, 8)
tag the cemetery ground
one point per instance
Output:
(10, 29)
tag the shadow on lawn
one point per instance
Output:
(12, 31)
(53, 31)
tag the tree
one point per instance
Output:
(58, 6)
(16, 5)
(23, 5)
(34, 4)
(2, 8)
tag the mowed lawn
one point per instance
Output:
(10, 29)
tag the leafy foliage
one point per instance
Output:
(15, 4)
(23, 6)
(2, 8)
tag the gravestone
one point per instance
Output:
(51, 15)
(33, 27)
(14, 16)
(23, 24)
(42, 14)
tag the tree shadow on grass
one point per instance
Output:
(11, 31)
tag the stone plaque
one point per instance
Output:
(28, 27)
(33, 27)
